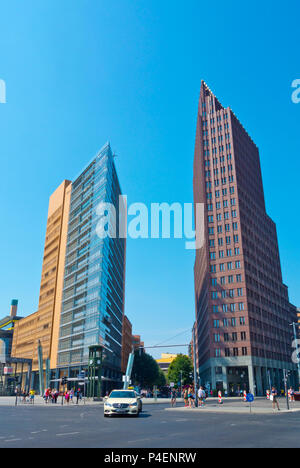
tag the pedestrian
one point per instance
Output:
(72, 395)
(31, 396)
(291, 394)
(201, 396)
(274, 398)
(173, 397)
(185, 397)
(191, 397)
(67, 397)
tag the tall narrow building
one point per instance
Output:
(82, 291)
(243, 315)
(94, 279)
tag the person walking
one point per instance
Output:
(173, 397)
(274, 398)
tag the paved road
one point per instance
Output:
(156, 428)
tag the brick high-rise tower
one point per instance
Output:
(243, 314)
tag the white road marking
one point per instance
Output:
(67, 434)
(12, 440)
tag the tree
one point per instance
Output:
(146, 371)
(184, 364)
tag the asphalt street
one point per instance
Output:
(79, 427)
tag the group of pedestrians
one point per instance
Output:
(27, 397)
(189, 397)
(51, 395)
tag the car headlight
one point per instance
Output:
(133, 404)
(108, 404)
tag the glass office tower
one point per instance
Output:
(94, 282)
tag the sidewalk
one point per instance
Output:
(39, 401)
(238, 406)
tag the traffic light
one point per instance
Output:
(64, 381)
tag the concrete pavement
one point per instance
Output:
(85, 427)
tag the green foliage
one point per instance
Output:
(146, 371)
(184, 364)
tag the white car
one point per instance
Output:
(122, 402)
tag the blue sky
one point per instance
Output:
(79, 73)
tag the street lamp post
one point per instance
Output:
(181, 382)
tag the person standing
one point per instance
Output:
(185, 397)
(173, 397)
(31, 396)
(201, 396)
(274, 397)
(191, 397)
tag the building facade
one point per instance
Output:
(43, 325)
(7, 325)
(126, 342)
(83, 280)
(243, 315)
(94, 279)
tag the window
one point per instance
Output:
(233, 322)
(240, 292)
(241, 306)
(227, 352)
(244, 351)
(226, 337)
(234, 336)
(242, 321)
(215, 309)
(243, 336)
(235, 352)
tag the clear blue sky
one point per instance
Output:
(79, 73)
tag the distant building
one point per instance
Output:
(126, 342)
(7, 325)
(137, 343)
(298, 317)
(165, 361)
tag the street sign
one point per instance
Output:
(250, 398)
(172, 384)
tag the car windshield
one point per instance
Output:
(122, 395)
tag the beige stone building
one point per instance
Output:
(44, 324)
